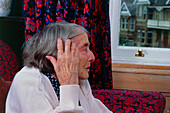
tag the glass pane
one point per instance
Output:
(145, 23)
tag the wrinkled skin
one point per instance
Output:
(73, 64)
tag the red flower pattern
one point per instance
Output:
(124, 101)
(9, 65)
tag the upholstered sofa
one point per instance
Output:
(125, 101)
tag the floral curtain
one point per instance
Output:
(92, 15)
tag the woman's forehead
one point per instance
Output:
(81, 39)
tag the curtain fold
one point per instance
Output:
(92, 15)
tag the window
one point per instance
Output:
(144, 12)
(143, 36)
(155, 14)
(124, 23)
(150, 13)
(149, 38)
(138, 38)
(152, 35)
(132, 24)
(140, 12)
(167, 17)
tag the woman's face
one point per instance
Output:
(85, 55)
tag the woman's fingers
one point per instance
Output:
(67, 63)
(73, 48)
(52, 60)
(59, 48)
(59, 44)
(67, 48)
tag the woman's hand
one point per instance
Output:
(67, 64)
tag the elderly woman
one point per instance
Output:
(61, 49)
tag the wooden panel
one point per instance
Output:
(146, 82)
(143, 78)
(141, 71)
(167, 107)
(140, 66)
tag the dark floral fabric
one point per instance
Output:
(55, 83)
(125, 101)
(92, 15)
(9, 65)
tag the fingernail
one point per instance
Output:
(48, 57)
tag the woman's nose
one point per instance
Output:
(91, 56)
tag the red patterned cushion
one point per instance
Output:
(9, 65)
(124, 101)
